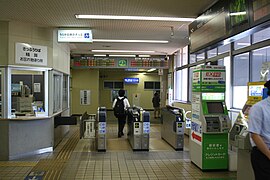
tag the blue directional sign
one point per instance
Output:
(131, 80)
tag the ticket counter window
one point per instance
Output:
(27, 92)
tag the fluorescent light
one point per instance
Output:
(238, 13)
(146, 18)
(121, 51)
(100, 55)
(129, 41)
(243, 44)
(122, 55)
(150, 70)
(145, 56)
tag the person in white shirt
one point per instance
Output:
(122, 103)
(259, 128)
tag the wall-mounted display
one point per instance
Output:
(238, 12)
(106, 62)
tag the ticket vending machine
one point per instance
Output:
(239, 135)
(210, 122)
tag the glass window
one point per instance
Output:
(27, 92)
(241, 70)
(240, 80)
(177, 84)
(200, 57)
(227, 63)
(223, 49)
(241, 43)
(190, 83)
(57, 81)
(108, 85)
(113, 85)
(212, 53)
(185, 56)
(152, 85)
(261, 35)
(259, 56)
(118, 85)
(177, 60)
(65, 91)
(192, 58)
(221, 62)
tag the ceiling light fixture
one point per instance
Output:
(122, 55)
(121, 51)
(144, 56)
(100, 55)
(238, 13)
(129, 41)
(151, 70)
(146, 18)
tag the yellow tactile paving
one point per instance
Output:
(53, 167)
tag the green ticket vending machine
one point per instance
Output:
(210, 121)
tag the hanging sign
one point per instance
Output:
(74, 35)
(31, 54)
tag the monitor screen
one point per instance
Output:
(15, 88)
(255, 90)
(215, 108)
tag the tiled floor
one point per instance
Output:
(77, 159)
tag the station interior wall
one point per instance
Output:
(16, 32)
(93, 80)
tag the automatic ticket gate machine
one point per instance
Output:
(210, 122)
(101, 129)
(138, 129)
(172, 126)
(239, 135)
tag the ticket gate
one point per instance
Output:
(172, 127)
(101, 129)
(138, 129)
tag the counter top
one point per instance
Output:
(29, 118)
(25, 118)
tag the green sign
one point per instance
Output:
(215, 151)
(208, 80)
(122, 63)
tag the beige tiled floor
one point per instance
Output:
(118, 163)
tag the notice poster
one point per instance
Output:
(85, 97)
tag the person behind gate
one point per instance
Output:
(120, 105)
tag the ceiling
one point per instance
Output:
(60, 13)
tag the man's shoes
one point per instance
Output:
(119, 135)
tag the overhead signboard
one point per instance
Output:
(65, 35)
(31, 54)
(131, 80)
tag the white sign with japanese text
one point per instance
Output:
(31, 54)
(75, 35)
